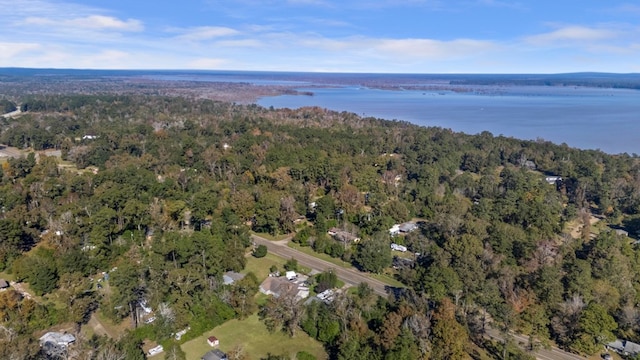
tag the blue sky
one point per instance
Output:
(388, 36)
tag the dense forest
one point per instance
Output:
(167, 189)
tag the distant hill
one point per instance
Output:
(590, 79)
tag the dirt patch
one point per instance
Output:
(576, 230)
(97, 327)
(19, 287)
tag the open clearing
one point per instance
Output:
(257, 342)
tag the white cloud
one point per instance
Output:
(92, 22)
(433, 49)
(10, 49)
(203, 33)
(207, 63)
(570, 34)
(244, 43)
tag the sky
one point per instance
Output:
(366, 36)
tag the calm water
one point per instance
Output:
(588, 118)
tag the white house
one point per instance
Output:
(57, 339)
(553, 179)
(397, 247)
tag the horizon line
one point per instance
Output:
(318, 72)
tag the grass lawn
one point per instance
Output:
(309, 251)
(260, 266)
(255, 339)
(7, 276)
(388, 279)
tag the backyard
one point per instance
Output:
(255, 339)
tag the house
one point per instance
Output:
(278, 286)
(213, 341)
(326, 296)
(231, 276)
(397, 247)
(343, 236)
(407, 227)
(3, 284)
(401, 263)
(553, 179)
(624, 347)
(214, 355)
(56, 339)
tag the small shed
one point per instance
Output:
(3, 284)
(291, 275)
(213, 341)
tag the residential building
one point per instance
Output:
(231, 276)
(278, 286)
(624, 347)
(57, 339)
(215, 354)
(343, 235)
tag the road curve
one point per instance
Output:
(349, 276)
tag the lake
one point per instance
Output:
(587, 118)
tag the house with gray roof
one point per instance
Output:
(624, 347)
(231, 276)
(215, 354)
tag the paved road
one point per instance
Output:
(541, 354)
(355, 277)
(350, 276)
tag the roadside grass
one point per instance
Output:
(309, 251)
(255, 339)
(386, 278)
(271, 237)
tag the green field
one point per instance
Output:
(257, 342)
